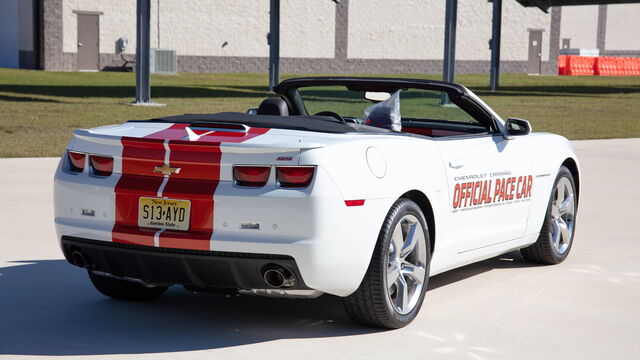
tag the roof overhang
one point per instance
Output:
(544, 5)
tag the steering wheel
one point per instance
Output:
(332, 114)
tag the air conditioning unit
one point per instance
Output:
(163, 61)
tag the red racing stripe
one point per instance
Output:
(139, 157)
(197, 181)
(199, 163)
(198, 160)
(137, 179)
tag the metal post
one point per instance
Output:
(449, 62)
(143, 87)
(274, 43)
(495, 45)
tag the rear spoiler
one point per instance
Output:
(87, 136)
(267, 148)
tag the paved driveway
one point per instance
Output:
(503, 308)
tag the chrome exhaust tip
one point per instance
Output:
(79, 259)
(278, 277)
(274, 278)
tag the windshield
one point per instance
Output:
(415, 104)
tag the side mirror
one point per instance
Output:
(516, 127)
(252, 111)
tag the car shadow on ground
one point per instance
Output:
(48, 307)
(512, 260)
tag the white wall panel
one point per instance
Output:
(307, 28)
(396, 29)
(516, 20)
(623, 27)
(580, 24)
(378, 29)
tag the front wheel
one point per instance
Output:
(556, 236)
(393, 289)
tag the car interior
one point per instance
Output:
(432, 127)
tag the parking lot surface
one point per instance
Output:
(504, 308)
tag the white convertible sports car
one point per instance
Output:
(355, 187)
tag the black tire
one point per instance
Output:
(124, 290)
(370, 304)
(543, 250)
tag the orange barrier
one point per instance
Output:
(603, 65)
(632, 66)
(627, 67)
(562, 65)
(619, 67)
(606, 66)
(580, 65)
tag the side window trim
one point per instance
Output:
(484, 117)
(463, 136)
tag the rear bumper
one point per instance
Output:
(331, 243)
(197, 268)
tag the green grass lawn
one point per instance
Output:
(39, 109)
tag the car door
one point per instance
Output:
(489, 189)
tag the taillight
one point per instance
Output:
(294, 176)
(76, 161)
(101, 165)
(251, 176)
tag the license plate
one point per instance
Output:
(164, 213)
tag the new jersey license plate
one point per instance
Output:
(164, 213)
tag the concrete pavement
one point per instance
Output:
(504, 308)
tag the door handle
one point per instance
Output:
(80, 44)
(455, 164)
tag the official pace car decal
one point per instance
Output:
(476, 191)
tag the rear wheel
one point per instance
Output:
(124, 290)
(393, 289)
(556, 236)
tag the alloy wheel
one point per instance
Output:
(563, 208)
(407, 264)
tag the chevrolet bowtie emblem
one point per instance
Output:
(166, 170)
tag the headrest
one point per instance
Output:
(273, 106)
